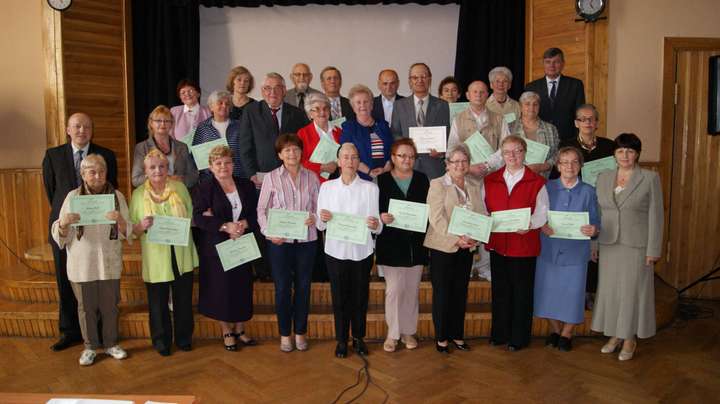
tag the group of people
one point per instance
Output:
(265, 164)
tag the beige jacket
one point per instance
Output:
(467, 125)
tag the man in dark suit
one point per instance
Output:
(301, 77)
(331, 81)
(388, 82)
(560, 95)
(61, 174)
(422, 109)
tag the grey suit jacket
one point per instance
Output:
(183, 166)
(404, 117)
(291, 96)
(635, 216)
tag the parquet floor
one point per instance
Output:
(681, 364)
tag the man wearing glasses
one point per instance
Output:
(301, 77)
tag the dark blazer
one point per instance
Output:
(570, 95)
(378, 112)
(59, 173)
(397, 247)
(258, 133)
(355, 133)
(346, 109)
(208, 194)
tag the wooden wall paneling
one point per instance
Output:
(54, 93)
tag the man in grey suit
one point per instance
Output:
(301, 76)
(388, 82)
(422, 109)
(331, 82)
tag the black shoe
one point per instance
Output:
(186, 348)
(164, 352)
(249, 342)
(232, 347)
(442, 349)
(565, 344)
(341, 350)
(65, 342)
(360, 347)
(463, 347)
(552, 340)
(495, 342)
(513, 348)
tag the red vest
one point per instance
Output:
(523, 195)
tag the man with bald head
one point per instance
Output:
(61, 174)
(388, 83)
(301, 77)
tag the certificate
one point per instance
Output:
(234, 253)
(536, 152)
(465, 222)
(202, 151)
(567, 224)
(169, 230)
(337, 122)
(456, 108)
(510, 117)
(429, 137)
(408, 215)
(287, 224)
(188, 139)
(325, 151)
(480, 149)
(346, 227)
(92, 208)
(591, 169)
(511, 220)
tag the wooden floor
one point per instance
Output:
(680, 364)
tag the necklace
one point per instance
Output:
(587, 146)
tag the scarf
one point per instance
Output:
(108, 189)
(152, 200)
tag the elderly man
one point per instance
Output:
(560, 95)
(422, 109)
(301, 76)
(388, 82)
(331, 81)
(61, 174)
(499, 102)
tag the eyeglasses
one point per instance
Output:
(458, 162)
(269, 89)
(569, 163)
(418, 78)
(302, 74)
(405, 156)
(161, 121)
(585, 120)
(513, 152)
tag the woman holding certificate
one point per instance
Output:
(371, 138)
(224, 208)
(400, 253)
(188, 115)
(631, 206)
(219, 126)
(317, 106)
(286, 215)
(161, 210)
(348, 209)
(531, 127)
(517, 199)
(94, 255)
(451, 255)
(565, 250)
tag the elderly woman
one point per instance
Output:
(295, 188)
(562, 264)
(224, 208)
(400, 254)
(181, 166)
(94, 280)
(371, 138)
(165, 267)
(499, 102)
(631, 207)
(239, 83)
(530, 126)
(317, 106)
(449, 89)
(348, 263)
(451, 255)
(189, 115)
(221, 125)
(513, 255)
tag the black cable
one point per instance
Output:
(368, 381)
(346, 389)
(21, 260)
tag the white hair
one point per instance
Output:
(500, 70)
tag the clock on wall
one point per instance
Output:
(590, 10)
(59, 5)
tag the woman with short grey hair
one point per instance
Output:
(220, 126)
(531, 127)
(317, 106)
(500, 79)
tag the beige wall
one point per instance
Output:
(22, 78)
(636, 32)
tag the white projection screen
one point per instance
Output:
(358, 40)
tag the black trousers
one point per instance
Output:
(68, 323)
(513, 283)
(161, 328)
(449, 275)
(592, 277)
(320, 272)
(349, 287)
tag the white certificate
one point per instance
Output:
(429, 137)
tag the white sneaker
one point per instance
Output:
(116, 352)
(87, 357)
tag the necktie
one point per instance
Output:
(274, 116)
(420, 114)
(335, 108)
(553, 90)
(301, 101)
(78, 160)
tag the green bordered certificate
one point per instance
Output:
(408, 215)
(346, 227)
(429, 137)
(536, 152)
(456, 108)
(92, 208)
(169, 230)
(337, 122)
(510, 117)
(464, 222)
(188, 139)
(202, 151)
(511, 220)
(591, 169)
(567, 224)
(234, 253)
(480, 149)
(287, 224)
(325, 151)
